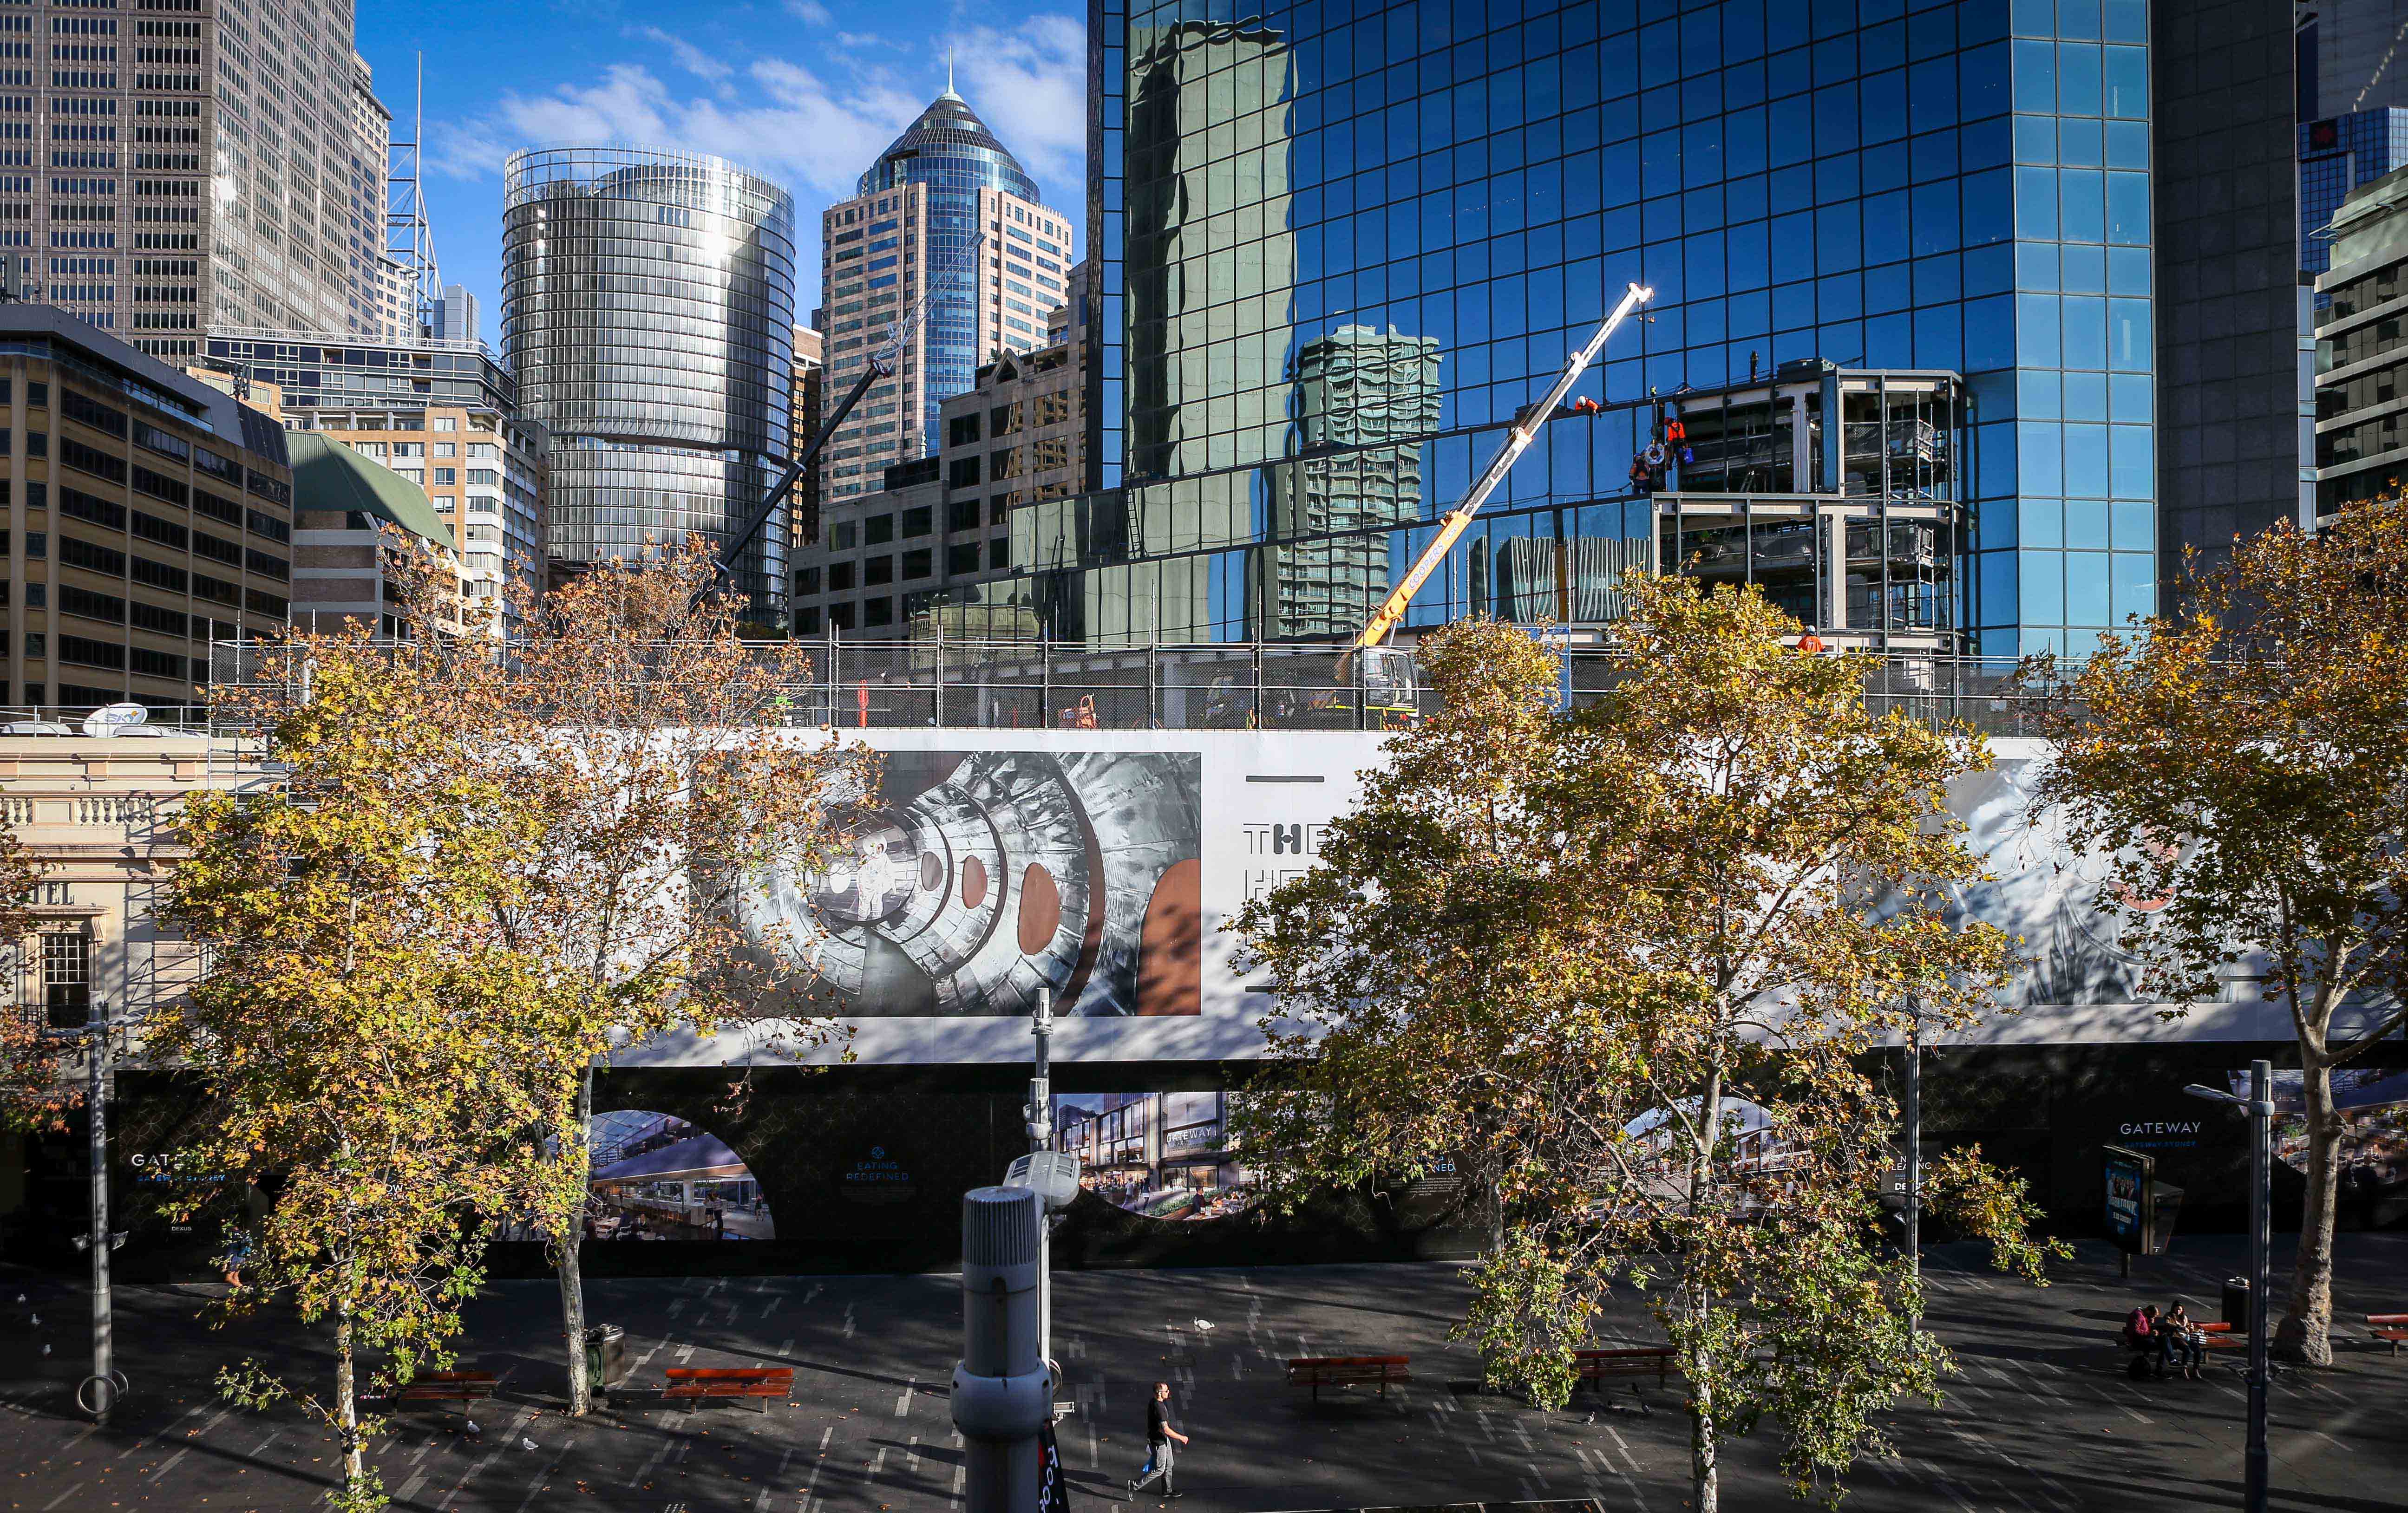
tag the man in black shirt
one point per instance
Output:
(1158, 1438)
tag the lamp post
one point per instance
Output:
(1040, 1137)
(2259, 1106)
(98, 1393)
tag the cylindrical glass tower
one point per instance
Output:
(950, 151)
(648, 311)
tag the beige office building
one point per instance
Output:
(190, 165)
(913, 229)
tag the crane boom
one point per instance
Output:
(880, 365)
(1517, 441)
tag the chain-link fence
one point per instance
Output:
(889, 685)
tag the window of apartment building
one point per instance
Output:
(919, 564)
(66, 976)
(998, 510)
(964, 472)
(919, 519)
(840, 616)
(998, 553)
(843, 536)
(1004, 464)
(410, 449)
(876, 570)
(876, 612)
(999, 420)
(447, 449)
(445, 422)
(484, 452)
(962, 515)
(839, 576)
(962, 430)
(806, 580)
(961, 558)
(446, 476)
(878, 530)
(807, 621)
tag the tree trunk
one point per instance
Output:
(347, 1412)
(572, 1276)
(1705, 1483)
(2305, 1334)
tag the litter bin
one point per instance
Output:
(606, 1356)
(2236, 1303)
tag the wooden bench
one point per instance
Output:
(1318, 1372)
(2389, 1327)
(692, 1384)
(2221, 1336)
(462, 1387)
(1638, 1361)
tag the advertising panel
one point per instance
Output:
(1104, 865)
(2130, 1177)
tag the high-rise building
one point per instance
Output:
(189, 166)
(1017, 437)
(455, 316)
(151, 515)
(443, 415)
(2361, 359)
(808, 399)
(648, 315)
(1954, 203)
(914, 229)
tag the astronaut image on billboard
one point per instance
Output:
(971, 879)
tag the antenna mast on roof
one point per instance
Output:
(408, 241)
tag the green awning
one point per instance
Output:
(327, 475)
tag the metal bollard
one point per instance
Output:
(1002, 1393)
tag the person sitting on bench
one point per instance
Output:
(2178, 1344)
(2140, 1338)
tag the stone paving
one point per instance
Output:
(2041, 1421)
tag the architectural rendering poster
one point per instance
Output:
(2373, 1108)
(1164, 1155)
(657, 1178)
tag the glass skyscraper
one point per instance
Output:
(1879, 184)
(908, 233)
(648, 315)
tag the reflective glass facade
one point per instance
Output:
(1953, 186)
(648, 312)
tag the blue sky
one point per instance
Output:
(806, 92)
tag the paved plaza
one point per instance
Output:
(2041, 1421)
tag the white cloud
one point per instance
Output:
(1030, 83)
(692, 59)
(811, 12)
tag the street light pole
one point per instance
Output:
(98, 1393)
(2259, 1106)
(1040, 1137)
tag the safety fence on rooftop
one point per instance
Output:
(887, 685)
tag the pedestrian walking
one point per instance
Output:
(1158, 1438)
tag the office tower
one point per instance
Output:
(2232, 404)
(2361, 450)
(455, 316)
(1961, 191)
(1017, 437)
(648, 314)
(808, 398)
(187, 169)
(444, 415)
(151, 514)
(909, 232)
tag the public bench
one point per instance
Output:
(1318, 1372)
(1639, 1361)
(462, 1387)
(2391, 1328)
(692, 1384)
(2221, 1336)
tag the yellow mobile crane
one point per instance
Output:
(1379, 671)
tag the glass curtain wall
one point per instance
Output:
(1878, 184)
(648, 313)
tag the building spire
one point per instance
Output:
(949, 70)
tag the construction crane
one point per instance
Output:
(881, 364)
(1452, 524)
